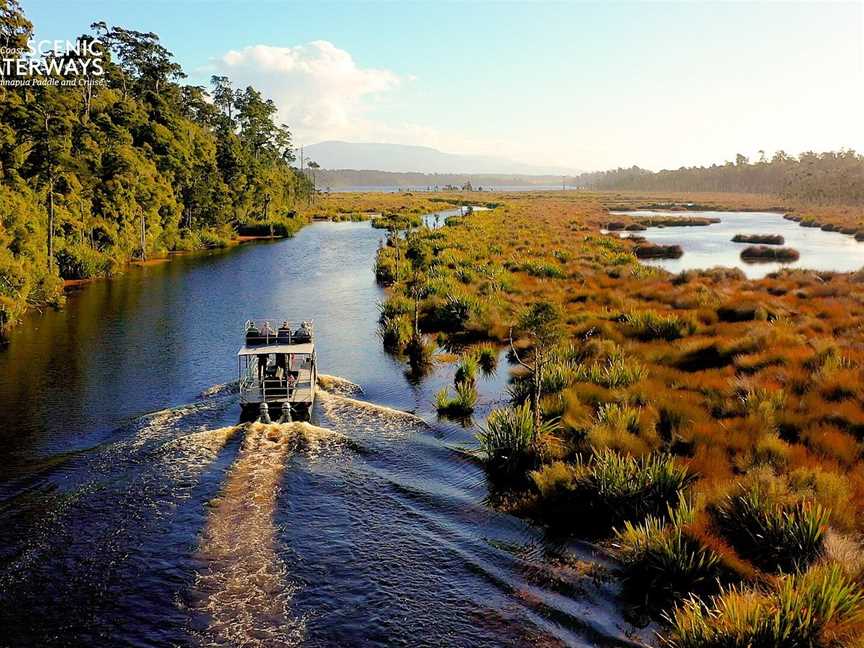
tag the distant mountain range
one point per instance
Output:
(400, 158)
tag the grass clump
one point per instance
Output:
(608, 488)
(817, 609)
(650, 325)
(772, 532)
(765, 253)
(508, 442)
(617, 371)
(395, 331)
(466, 370)
(461, 404)
(487, 359)
(663, 559)
(760, 239)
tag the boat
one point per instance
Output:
(277, 369)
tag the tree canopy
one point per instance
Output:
(129, 165)
(832, 177)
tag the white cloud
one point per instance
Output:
(319, 89)
(322, 93)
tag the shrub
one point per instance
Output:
(213, 239)
(397, 221)
(78, 261)
(774, 534)
(664, 559)
(466, 371)
(279, 227)
(819, 608)
(610, 488)
(395, 332)
(765, 253)
(763, 239)
(651, 251)
(649, 325)
(507, 441)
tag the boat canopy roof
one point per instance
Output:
(263, 349)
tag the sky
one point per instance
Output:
(576, 84)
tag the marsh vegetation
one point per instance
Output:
(765, 253)
(706, 427)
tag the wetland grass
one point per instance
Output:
(657, 251)
(759, 239)
(702, 385)
(765, 253)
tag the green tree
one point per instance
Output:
(541, 323)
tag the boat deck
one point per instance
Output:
(274, 391)
(278, 369)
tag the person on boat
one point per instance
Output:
(267, 331)
(262, 366)
(284, 333)
(281, 367)
(292, 382)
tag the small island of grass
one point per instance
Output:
(678, 221)
(765, 253)
(651, 251)
(759, 239)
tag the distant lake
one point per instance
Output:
(711, 245)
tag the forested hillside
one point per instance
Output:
(128, 165)
(833, 177)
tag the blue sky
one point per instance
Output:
(585, 85)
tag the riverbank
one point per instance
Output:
(336, 207)
(705, 411)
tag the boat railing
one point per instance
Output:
(275, 331)
(260, 388)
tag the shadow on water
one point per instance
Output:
(179, 527)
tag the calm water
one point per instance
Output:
(711, 245)
(130, 515)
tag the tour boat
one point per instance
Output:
(277, 368)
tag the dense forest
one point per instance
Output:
(127, 164)
(833, 177)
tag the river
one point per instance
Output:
(133, 512)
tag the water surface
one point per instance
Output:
(711, 245)
(133, 513)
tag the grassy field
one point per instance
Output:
(707, 427)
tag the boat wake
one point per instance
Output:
(332, 402)
(245, 588)
(338, 385)
(220, 390)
